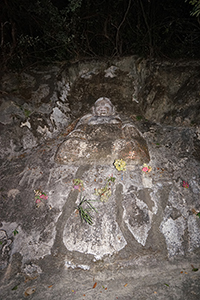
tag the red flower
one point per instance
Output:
(43, 196)
(185, 184)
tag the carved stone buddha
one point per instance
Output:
(101, 137)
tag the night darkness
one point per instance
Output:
(49, 31)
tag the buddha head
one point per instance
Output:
(103, 108)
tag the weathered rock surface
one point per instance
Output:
(144, 242)
(102, 138)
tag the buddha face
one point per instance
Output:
(103, 107)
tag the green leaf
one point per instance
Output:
(27, 113)
(15, 232)
(92, 207)
(195, 269)
(111, 179)
(15, 288)
(166, 284)
(198, 215)
(1, 243)
(85, 212)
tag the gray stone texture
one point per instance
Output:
(144, 242)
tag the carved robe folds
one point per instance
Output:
(102, 137)
(102, 144)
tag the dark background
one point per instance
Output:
(49, 31)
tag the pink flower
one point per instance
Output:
(45, 197)
(185, 184)
(145, 169)
(38, 201)
(76, 187)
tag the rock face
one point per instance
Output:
(102, 137)
(39, 104)
(146, 211)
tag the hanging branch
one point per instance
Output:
(148, 28)
(120, 25)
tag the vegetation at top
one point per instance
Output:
(49, 31)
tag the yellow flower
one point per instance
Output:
(120, 165)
